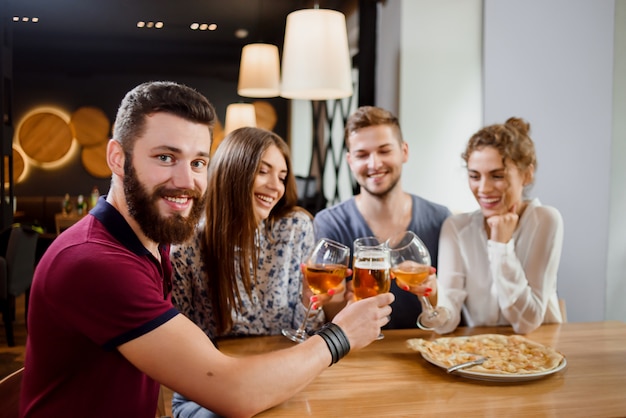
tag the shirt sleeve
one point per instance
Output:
(304, 243)
(523, 293)
(342, 223)
(189, 290)
(182, 263)
(326, 226)
(451, 276)
(107, 294)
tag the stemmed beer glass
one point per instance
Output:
(325, 269)
(370, 269)
(410, 264)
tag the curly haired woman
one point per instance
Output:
(498, 265)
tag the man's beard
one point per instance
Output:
(380, 194)
(143, 208)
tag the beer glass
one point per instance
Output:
(325, 269)
(370, 267)
(410, 264)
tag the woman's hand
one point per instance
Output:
(324, 298)
(427, 288)
(502, 226)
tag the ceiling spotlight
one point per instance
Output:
(25, 19)
(150, 24)
(203, 26)
(241, 33)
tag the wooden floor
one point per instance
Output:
(12, 358)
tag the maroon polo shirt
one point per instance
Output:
(95, 288)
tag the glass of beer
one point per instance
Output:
(411, 265)
(370, 267)
(325, 269)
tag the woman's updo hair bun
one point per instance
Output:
(518, 124)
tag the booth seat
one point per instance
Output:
(38, 210)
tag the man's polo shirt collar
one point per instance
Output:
(117, 226)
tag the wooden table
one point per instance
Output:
(388, 379)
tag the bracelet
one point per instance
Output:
(336, 340)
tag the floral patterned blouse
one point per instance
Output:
(275, 302)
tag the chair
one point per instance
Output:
(160, 412)
(563, 309)
(10, 388)
(16, 274)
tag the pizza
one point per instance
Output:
(512, 354)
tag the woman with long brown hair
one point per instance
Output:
(240, 274)
(253, 235)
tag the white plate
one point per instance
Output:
(468, 373)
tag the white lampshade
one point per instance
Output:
(316, 59)
(239, 115)
(259, 71)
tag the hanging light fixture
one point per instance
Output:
(259, 71)
(316, 59)
(239, 115)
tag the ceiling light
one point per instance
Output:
(259, 71)
(241, 33)
(316, 58)
(239, 115)
(203, 26)
(150, 24)
(25, 19)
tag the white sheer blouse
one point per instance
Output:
(494, 283)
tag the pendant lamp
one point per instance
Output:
(239, 115)
(259, 71)
(316, 63)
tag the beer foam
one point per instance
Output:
(372, 264)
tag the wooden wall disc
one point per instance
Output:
(18, 166)
(266, 116)
(218, 135)
(45, 137)
(90, 126)
(95, 161)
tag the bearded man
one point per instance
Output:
(102, 331)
